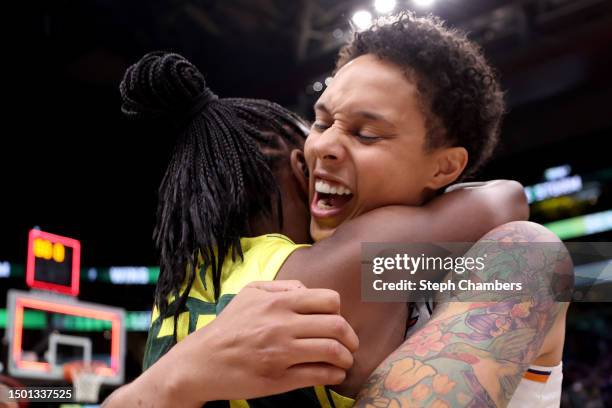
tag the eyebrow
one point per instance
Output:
(364, 114)
(374, 116)
(321, 106)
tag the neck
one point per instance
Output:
(264, 225)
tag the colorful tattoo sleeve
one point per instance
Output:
(474, 353)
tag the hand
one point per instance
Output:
(273, 337)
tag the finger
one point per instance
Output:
(277, 286)
(326, 326)
(327, 351)
(310, 374)
(309, 301)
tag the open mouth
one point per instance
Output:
(329, 198)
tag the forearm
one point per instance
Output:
(158, 387)
(460, 216)
(137, 394)
(461, 373)
(476, 352)
(465, 215)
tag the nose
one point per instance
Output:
(329, 146)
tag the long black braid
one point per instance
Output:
(217, 178)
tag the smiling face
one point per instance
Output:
(367, 146)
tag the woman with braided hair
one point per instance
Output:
(234, 200)
(218, 180)
(219, 205)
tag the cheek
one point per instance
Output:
(308, 147)
(389, 179)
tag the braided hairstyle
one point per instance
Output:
(218, 177)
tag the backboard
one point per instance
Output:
(46, 331)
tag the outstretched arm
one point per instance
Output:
(460, 216)
(474, 353)
(464, 215)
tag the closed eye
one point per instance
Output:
(320, 126)
(366, 138)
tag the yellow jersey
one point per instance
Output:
(263, 256)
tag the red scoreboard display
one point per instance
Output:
(53, 263)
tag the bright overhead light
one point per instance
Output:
(384, 6)
(424, 3)
(362, 19)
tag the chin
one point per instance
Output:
(319, 233)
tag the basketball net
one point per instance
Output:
(85, 382)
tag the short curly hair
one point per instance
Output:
(460, 95)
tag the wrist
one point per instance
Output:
(170, 383)
(191, 380)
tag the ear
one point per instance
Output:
(449, 164)
(300, 169)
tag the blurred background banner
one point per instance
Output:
(71, 164)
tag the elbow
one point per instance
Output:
(516, 202)
(519, 199)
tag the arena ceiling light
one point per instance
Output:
(362, 19)
(423, 3)
(384, 6)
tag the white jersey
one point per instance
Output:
(540, 386)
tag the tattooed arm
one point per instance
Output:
(474, 352)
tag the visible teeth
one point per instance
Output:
(322, 204)
(325, 188)
(322, 187)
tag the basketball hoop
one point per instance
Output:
(85, 378)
